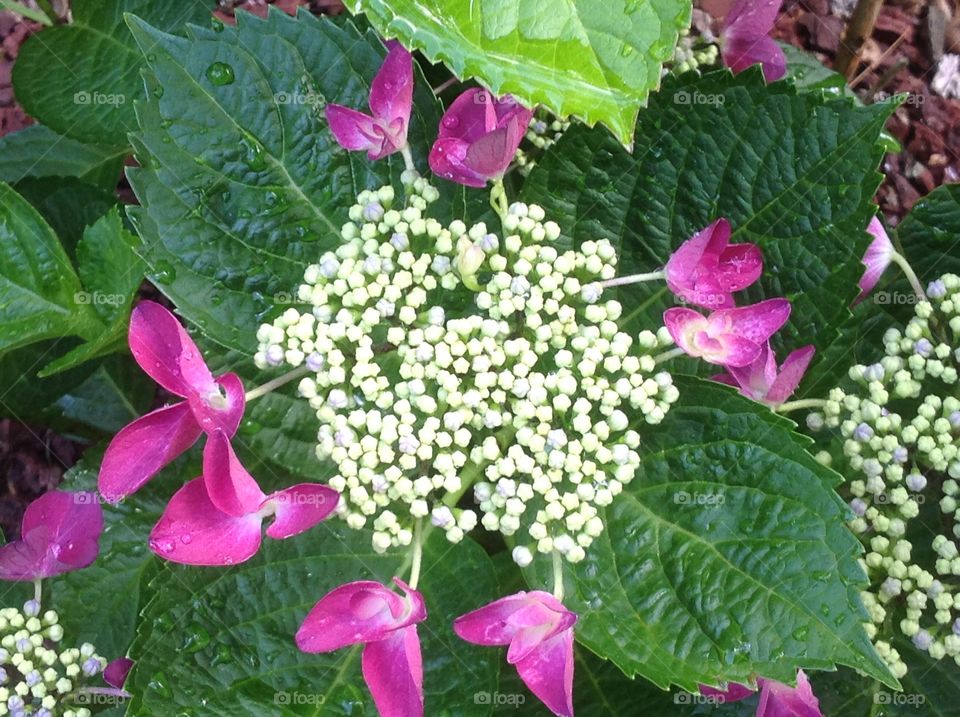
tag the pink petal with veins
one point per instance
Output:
(300, 507)
(791, 373)
(142, 448)
(193, 531)
(391, 92)
(116, 671)
(877, 258)
(393, 671)
(548, 672)
(448, 159)
(780, 700)
(739, 53)
(735, 692)
(229, 486)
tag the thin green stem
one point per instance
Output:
(37, 589)
(445, 85)
(417, 559)
(498, 199)
(667, 355)
(276, 383)
(633, 279)
(48, 10)
(798, 405)
(557, 575)
(408, 158)
(28, 12)
(901, 261)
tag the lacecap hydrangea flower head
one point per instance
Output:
(449, 359)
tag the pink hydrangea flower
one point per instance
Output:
(728, 337)
(168, 355)
(877, 258)
(60, 533)
(391, 97)
(707, 268)
(761, 381)
(745, 39)
(116, 671)
(385, 623)
(776, 698)
(539, 632)
(217, 519)
(478, 138)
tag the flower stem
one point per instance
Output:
(557, 575)
(37, 589)
(667, 355)
(633, 279)
(41, 16)
(417, 554)
(901, 261)
(276, 383)
(797, 405)
(498, 199)
(445, 85)
(408, 158)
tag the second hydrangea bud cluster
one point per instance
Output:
(446, 357)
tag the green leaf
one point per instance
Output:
(111, 273)
(595, 60)
(97, 67)
(69, 205)
(794, 174)
(929, 234)
(220, 641)
(38, 151)
(116, 393)
(242, 184)
(809, 74)
(38, 287)
(727, 555)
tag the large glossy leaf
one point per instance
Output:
(794, 173)
(220, 641)
(97, 67)
(726, 556)
(595, 60)
(39, 289)
(242, 183)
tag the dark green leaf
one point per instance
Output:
(794, 173)
(97, 66)
(930, 232)
(727, 555)
(38, 151)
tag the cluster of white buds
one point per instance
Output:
(544, 131)
(693, 52)
(445, 357)
(900, 428)
(37, 677)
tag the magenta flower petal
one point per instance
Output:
(755, 378)
(757, 322)
(478, 138)
(165, 351)
(685, 263)
(780, 700)
(230, 488)
(448, 159)
(193, 531)
(60, 532)
(223, 408)
(791, 373)
(739, 53)
(548, 672)
(300, 507)
(745, 38)
(116, 671)
(393, 670)
(877, 258)
(739, 266)
(142, 448)
(358, 612)
(391, 92)
(490, 625)
(731, 351)
(735, 692)
(728, 337)
(355, 130)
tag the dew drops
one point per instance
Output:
(220, 73)
(186, 538)
(800, 633)
(450, 122)
(197, 639)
